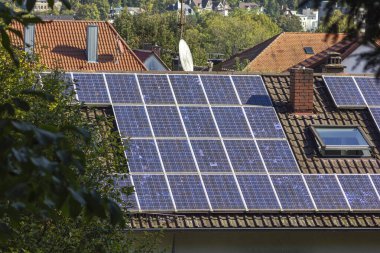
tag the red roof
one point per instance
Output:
(62, 44)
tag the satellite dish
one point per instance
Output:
(185, 56)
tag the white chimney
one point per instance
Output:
(92, 43)
(29, 38)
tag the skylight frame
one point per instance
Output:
(322, 147)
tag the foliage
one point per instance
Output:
(87, 12)
(289, 23)
(337, 18)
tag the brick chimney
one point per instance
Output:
(333, 64)
(301, 90)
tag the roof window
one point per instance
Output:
(308, 50)
(342, 141)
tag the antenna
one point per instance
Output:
(182, 19)
(185, 56)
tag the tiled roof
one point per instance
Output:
(62, 44)
(283, 51)
(325, 113)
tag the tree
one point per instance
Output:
(337, 18)
(289, 23)
(87, 12)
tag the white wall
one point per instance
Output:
(352, 67)
(152, 63)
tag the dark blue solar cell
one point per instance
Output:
(244, 156)
(223, 192)
(344, 91)
(155, 89)
(219, 89)
(231, 122)
(132, 121)
(176, 156)
(91, 88)
(127, 195)
(188, 192)
(210, 156)
(187, 89)
(123, 88)
(359, 192)
(258, 192)
(292, 192)
(278, 156)
(142, 156)
(153, 193)
(251, 90)
(370, 88)
(326, 192)
(166, 121)
(264, 122)
(198, 122)
(375, 112)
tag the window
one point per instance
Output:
(342, 141)
(308, 50)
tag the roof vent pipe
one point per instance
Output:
(92, 43)
(29, 38)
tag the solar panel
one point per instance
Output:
(375, 112)
(188, 192)
(142, 156)
(359, 192)
(124, 185)
(376, 182)
(219, 89)
(187, 89)
(198, 122)
(91, 88)
(153, 193)
(292, 192)
(370, 88)
(176, 156)
(326, 192)
(165, 121)
(278, 156)
(223, 192)
(231, 122)
(210, 156)
(344, 91)
(132, 121)
(155, 89)
(251, 90)
(244, 156)
(123, 88)
(258, 192)
(264, 122)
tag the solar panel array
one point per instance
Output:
(212, 143)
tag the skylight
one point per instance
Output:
(308, 50)
(342, 141)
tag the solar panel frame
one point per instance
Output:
(123, 88)
(344, 92)
(375, 113)
(187, 89)
(91, 88)
(251, 90)
(231, 122)
(132, 121)
(367, 88)
(258, 192)
(128, 201)
(198, 121)
(327, 193)
(219, 89)
(155, 89)
(360, 192)
(223, 192)
(264, 122)
(145, 161)
(188, 192)
(292, 193)
(166, 121)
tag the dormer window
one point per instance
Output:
(342, 141)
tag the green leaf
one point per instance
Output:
(5, 232)
(30, 4)
(21, 104)
(77, 196)
(115, 213)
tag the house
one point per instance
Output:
(309, 19)
(43, 6)
(177, 7)
(78, 46)
(151, 59)
(192, 191)
(251, 6)
(221, 7)
(290, 49)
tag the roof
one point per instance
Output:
(283, 51)
(143, 55)
(62, 44)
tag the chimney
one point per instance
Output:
(92, 43)
(157, 50)
(333, 64)
(29, 38)
(301, 90)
